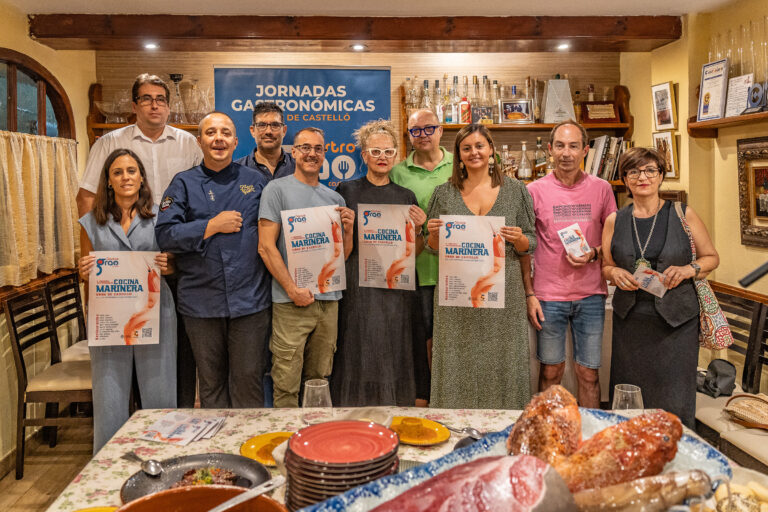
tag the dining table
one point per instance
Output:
(98, 484)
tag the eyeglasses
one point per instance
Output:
(147, 100)
(650, 172)
(263, 126)
(427, 130)
(306, 149)
(377, 152)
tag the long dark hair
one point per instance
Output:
(460, 174)
(104, 204)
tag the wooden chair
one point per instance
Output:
(747, 319)
(66, 304)
(30, 322)
(756, 357)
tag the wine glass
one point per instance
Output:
(627, 396)
(316, 394)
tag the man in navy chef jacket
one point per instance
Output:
(209, 218)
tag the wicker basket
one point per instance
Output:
(748, 410)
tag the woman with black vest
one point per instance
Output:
(655, 340)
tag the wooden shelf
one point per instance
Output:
(95, 125)
(541, 126)
(708, 129)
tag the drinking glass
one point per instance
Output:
(627, 396)
(316, 394)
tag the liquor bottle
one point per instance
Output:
(408, 95)
(513, 92)
(455, 100)
(439, 104)
(495, 102)
(591, 92)
(550, 163)
(539, 160)
(524, 169)
(465, 112)
(507, 162)
(465, 88)
(577, 105)
(474, 100)
(426, 99)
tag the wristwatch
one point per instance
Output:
(595, 257)
(697, 268)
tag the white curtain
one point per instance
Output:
(38, 214)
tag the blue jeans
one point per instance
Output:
(586, 317)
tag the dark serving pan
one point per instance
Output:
(250, 473)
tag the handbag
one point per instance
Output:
(748, 410)
(718, 380)
(714, 332)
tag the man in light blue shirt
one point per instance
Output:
(304, 325)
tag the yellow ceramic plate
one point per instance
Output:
(97, 509)
(260, 448)
(419, 431)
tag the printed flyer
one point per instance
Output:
(315, 248)
(124, 299)
(386, 240)
(471, 256)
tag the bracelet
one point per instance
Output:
(595, 257)
(530, 295)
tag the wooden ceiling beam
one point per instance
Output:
(327, 33)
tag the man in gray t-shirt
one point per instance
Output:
(304, 325)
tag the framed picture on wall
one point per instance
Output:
(753, 190)
(516, 111)
(666, 144)
(664, 106)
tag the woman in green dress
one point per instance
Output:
(480, 356)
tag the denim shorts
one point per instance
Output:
(586, 317)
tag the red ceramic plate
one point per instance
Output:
(343, 442)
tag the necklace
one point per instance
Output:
(641, 260)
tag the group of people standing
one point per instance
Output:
(239, 314)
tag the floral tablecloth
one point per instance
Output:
(98, 484)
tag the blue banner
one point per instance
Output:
(338, 101)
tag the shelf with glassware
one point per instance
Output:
(100, 112)
(514, 135)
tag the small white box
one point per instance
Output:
(574, 241)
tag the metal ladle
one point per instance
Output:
(149, 466)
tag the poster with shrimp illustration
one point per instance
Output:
(124, 299)
(471, 271)
(386, 240)
(315, 248)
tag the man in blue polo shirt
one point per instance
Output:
(209, 219)
(268, 130)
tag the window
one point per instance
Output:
(31, 99)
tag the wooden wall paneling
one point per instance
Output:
(117, 70)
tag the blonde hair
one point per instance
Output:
(365, 132)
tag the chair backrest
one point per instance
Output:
(757, 356)
(29, 321)
(65, 302)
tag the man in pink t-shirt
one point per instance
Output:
(568, 289)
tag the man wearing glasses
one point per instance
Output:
(268, 130)
(304, 325)
(568, 288)
(164, 151)
(426, 167)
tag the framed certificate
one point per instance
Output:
(714, 86)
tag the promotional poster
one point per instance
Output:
(386, 240)
(336, 100)
(315, 248)
(124, 299)
(471, 257)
